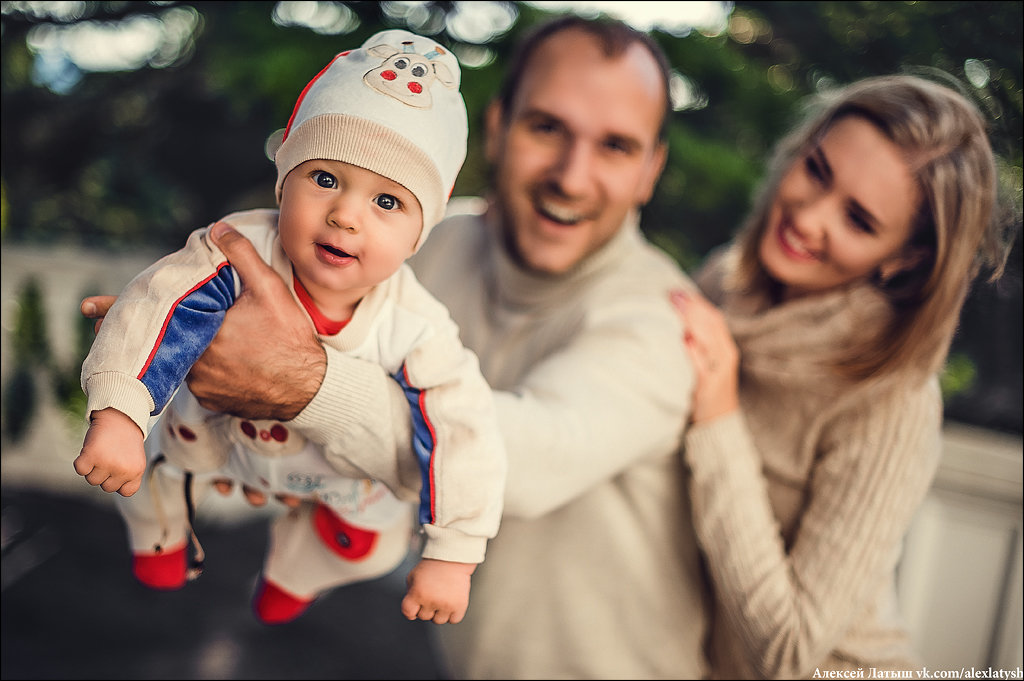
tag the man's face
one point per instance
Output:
(578, 150)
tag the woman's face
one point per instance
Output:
(843, 212)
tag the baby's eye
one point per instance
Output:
(387, 201)
(324, 179)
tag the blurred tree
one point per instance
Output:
(66, 377)
(32, 356)
(140, 156)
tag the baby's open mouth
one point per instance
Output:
(335, 251)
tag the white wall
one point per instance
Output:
(960, 578)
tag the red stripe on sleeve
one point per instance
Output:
(433, 438)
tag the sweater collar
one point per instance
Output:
(517, 288)
(804, 337)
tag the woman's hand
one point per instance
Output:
(714, 354)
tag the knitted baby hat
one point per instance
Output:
(393, 107)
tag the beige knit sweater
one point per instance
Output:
(802, 498)
(594, 572)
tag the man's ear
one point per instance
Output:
(655, 166)
(494, 124)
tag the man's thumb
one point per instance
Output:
(240, 253)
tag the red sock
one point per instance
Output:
(274, 605)
(164, 570)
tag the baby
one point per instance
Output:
(364, 170)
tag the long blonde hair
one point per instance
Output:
(944, 138)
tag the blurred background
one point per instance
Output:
(126, 125)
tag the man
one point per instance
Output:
(594, 572)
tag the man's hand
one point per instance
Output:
(97, 307)
(265, 361)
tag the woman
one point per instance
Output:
(817, 416)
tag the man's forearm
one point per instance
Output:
(361, 417)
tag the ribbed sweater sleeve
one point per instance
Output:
(615, 395)
(790, 605)
(358, 401)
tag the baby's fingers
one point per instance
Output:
(84, 467)
(123, 484)
(414, 610)
(129, 488)
(411, 608)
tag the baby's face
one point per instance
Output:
(345, 229)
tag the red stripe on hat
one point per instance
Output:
(302, 95)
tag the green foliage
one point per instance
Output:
(31, 356)
(140, 157)
(67, 379)
(127, 159)
(19, 403)
(34, 362)
(958, 376)
(31, 343)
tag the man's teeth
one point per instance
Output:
(560, 213)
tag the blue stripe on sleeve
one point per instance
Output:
(189, 329)
(422, 444)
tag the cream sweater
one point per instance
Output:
(594, 572)
(802, 499)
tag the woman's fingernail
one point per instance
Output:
(88, 309)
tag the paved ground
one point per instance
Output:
(72, 610)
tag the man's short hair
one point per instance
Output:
(614, 37)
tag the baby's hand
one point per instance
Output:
(113, 456)
(438, 591)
